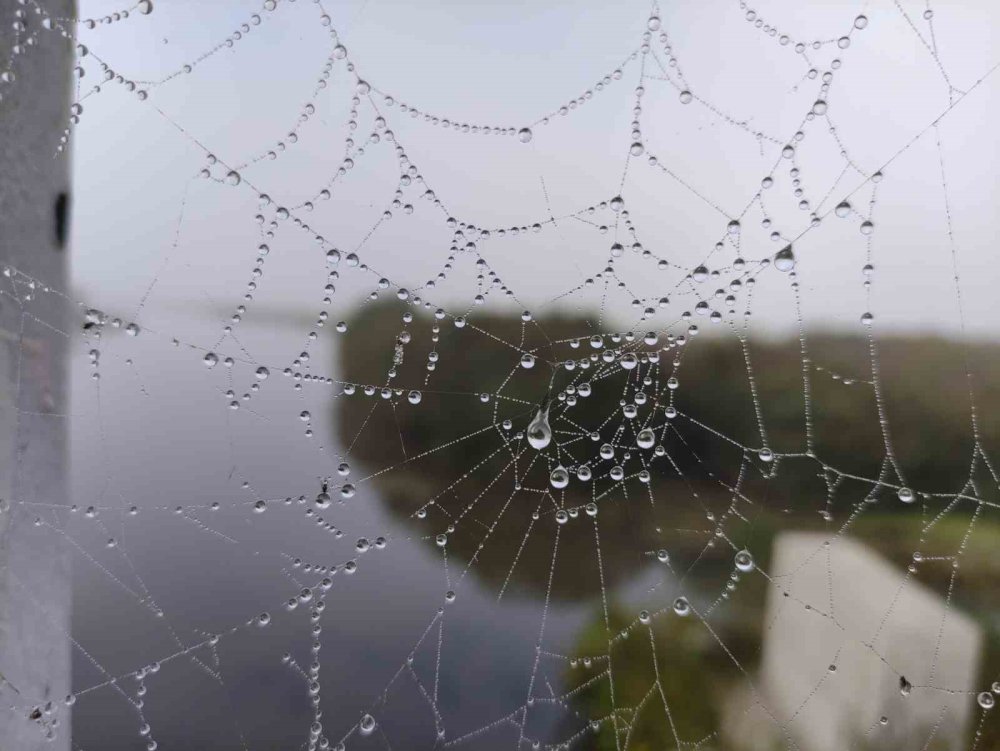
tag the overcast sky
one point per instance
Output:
(510, 63)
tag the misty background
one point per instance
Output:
(155, 243)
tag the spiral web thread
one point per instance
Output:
(579, 365)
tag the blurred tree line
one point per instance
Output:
(921, 407)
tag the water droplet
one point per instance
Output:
(210, 360)
(559, 477)
(628, 361)
(681, 606)
(653, 24)
(617, 204)
(744, 561)
(867, 319)
(367, 725)
(262, 373)
(905, 495)
(646, 438)
(414, 397)
(686, 97)
(843, 209)
(539, 433)
(132, 329)
(867, 227)
(145, 7)
(263, 619)
(233, 178)
(527, 361)
(784, 259)
(986, 700)
(561, 516)
(766, 455)
(862, 21)
(636, 149)
(905, 687)
(524, 135)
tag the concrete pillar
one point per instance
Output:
(919, 671)
(34, 223)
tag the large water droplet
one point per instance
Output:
(367, 725)
(559, 477)
(646, 438)
(744, 561)
(539, 433)
(905, 687)
(784, 259)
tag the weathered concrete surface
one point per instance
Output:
(876, 627)
(34, 571)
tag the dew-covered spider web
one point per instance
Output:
(497, 375)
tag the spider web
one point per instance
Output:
(369, 459)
